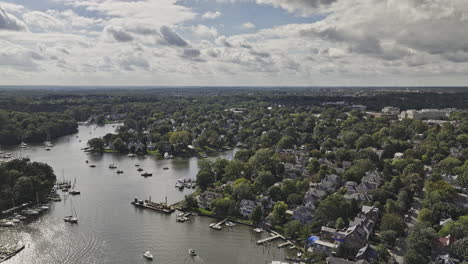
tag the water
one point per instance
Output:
(110, 230)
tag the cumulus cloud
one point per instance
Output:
(211, 15)
(172, 38)
(40, 21)
(10, 22)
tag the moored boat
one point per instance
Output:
(192, 252)
(148, 255)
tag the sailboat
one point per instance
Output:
(148, 255)
(73, 190)
(112, 166)
(73, 218)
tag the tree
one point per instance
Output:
(265, 179)
(365, 141)
(388, 237)
(286, 142)
(425, 215)
(257, 215)
(224, 207)
(392, 222)
(264, 160)
(279, 213)
(205, 179)
(190, 202)
(457, 229)
(419, 244)
(96, 144)
(119, 144)
(293, 229)
(333, 207)
(180, 137)
(383, 253)
(358, 170)
(340, 223)
(449, 163)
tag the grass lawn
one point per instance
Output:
(154, 152)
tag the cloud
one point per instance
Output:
(211, 15)
(248, 25)
(40, 21)
(10, 22)
(172, 38)
(204, 31)
(189, 52)
(301, 6)
(119, 34)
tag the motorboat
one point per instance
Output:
(120, 171)
(165, 168)
(140, 169)
(92, 166)
(131, 155)
(148, 255)
(74, 192)
(112, 166)
(192, 252)
(230, 224)
(146, 174)
(137, 165)
(71, 219)
(258, 230)
(47, 148)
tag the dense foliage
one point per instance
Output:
(24, 181)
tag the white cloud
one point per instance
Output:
(211, 15)
(248, 25)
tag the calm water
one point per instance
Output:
(110, 230)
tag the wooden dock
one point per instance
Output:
(274, 236)
(285, 244)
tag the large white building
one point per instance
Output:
(426, 114)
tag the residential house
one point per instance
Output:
(367, 253)
(334, 260)
(246, 207)
(446, 259)
(206, 198)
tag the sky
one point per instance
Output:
(234, 42)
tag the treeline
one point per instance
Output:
(34, 127)
(21, 179)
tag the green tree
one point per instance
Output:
(279, 213)
(257, 215)
(96, 144)
(293, 229)
(392, 222)
(205, 179)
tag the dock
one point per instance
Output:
(218, 225)
(8, 251)
(273, 236)
(285, 244)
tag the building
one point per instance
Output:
(426, 114)
(206, 198)
(391, 111)
(246, 207)
(333, 260)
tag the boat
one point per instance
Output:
(258, 230)
(148, 204)
(31, 212)
(23, 145)
(92, 166)
(120, 171)
(47, 148)
(230, 224)
(146, 174)
(148, 255)
(72, 219)
(165, 168)
(192, 252)
(7, 224)
(137, 165)
(73, 191)
(131, 155)
(112, 166)
(179, 185)
(140, 169)
(87, 161)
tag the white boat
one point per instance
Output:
(31, 212)
(47, 148)
(112, 166)
(212, 224)
(258, 230)
(192, 252)
(148, 255)
(131, 155)
(73, 218)
(23, 145)
(230, 224)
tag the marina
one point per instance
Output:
(109, 229)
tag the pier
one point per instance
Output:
(285, 244)
(273, 236)
(217, 226)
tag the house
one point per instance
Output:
(425, 114)
(371, 181)
(367, 253)
(333, 260)
(246, 207)
(330, 183)
(390, 111)
(206, 198)
(304, 213)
